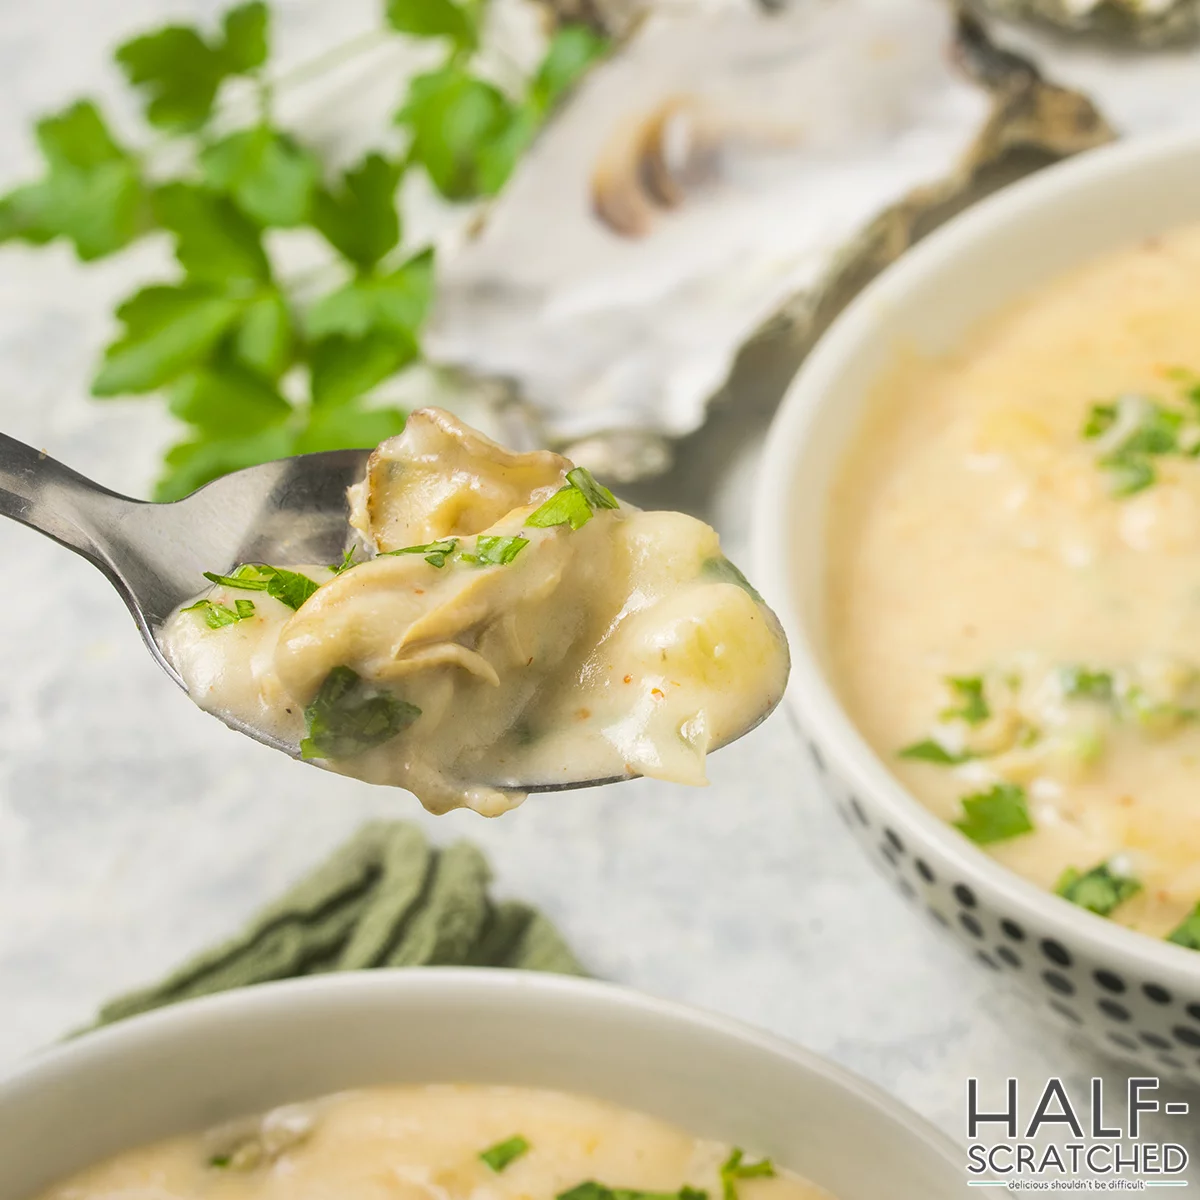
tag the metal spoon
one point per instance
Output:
(290, 511)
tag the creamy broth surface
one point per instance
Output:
(424, 1143)
(975, 534)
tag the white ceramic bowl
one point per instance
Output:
(1130, 994)
(202, 1062)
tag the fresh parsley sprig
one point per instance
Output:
(251, 364)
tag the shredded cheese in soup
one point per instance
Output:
(1014, 585)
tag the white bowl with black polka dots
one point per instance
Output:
(1130, 994)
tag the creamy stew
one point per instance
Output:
(441, 1143)
(500, 619)
(1014, 585)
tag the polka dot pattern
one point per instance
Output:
(1112, 1004)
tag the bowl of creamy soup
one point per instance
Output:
(453, 1083)
(979, 521)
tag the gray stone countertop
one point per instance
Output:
(134, 829)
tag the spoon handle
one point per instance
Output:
(40, 492)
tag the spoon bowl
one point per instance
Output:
(155, 555)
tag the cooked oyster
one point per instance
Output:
(512, 624)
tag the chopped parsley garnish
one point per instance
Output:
(217, 616)
(719, 567)
(346, 563)
(220, 1160)
(1100, 419)
(1083, 682)
(503, 1153)
(972, 702)
(927, 750)
(590, 1190)
(1187, 932)
(1099, 890)
(573, 504)
(1146, 430)
(290, 587)
(347, 717)
(435, 553)
(735, 1167)
(496, 551)
(1128, 475)
(995, 815)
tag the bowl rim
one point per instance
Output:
(488, 985)
(810, 693)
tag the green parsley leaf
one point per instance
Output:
(1083, 682)
(167, 330)
(346, 563)
(568, 506)
(220, 1161)
(573, 504)
(1187, 932)
(250, 577)
(271, 178)
(179, 71)
(496, 551)
(973, 707)
(1097, 890)
(1100, 419)
(348, 427)
(435, 552)
(572, 50)
(452, 117)
(245, 28)
(217, 616)
(503, 1153)
(346, 717)
(359, 219)
(735, 1167)
(344, 368)
(263, 339)
(290, 587)
(930, 751)
(596, 494)
(224, 398)
(395, 303)
(1158, 432)
(1128, 476)
(214, 241)
(196, 461)
(995, 815)
(91, 194)
(434, 18)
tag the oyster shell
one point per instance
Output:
(1137, 91)
(725, 170)
(1123, 22)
